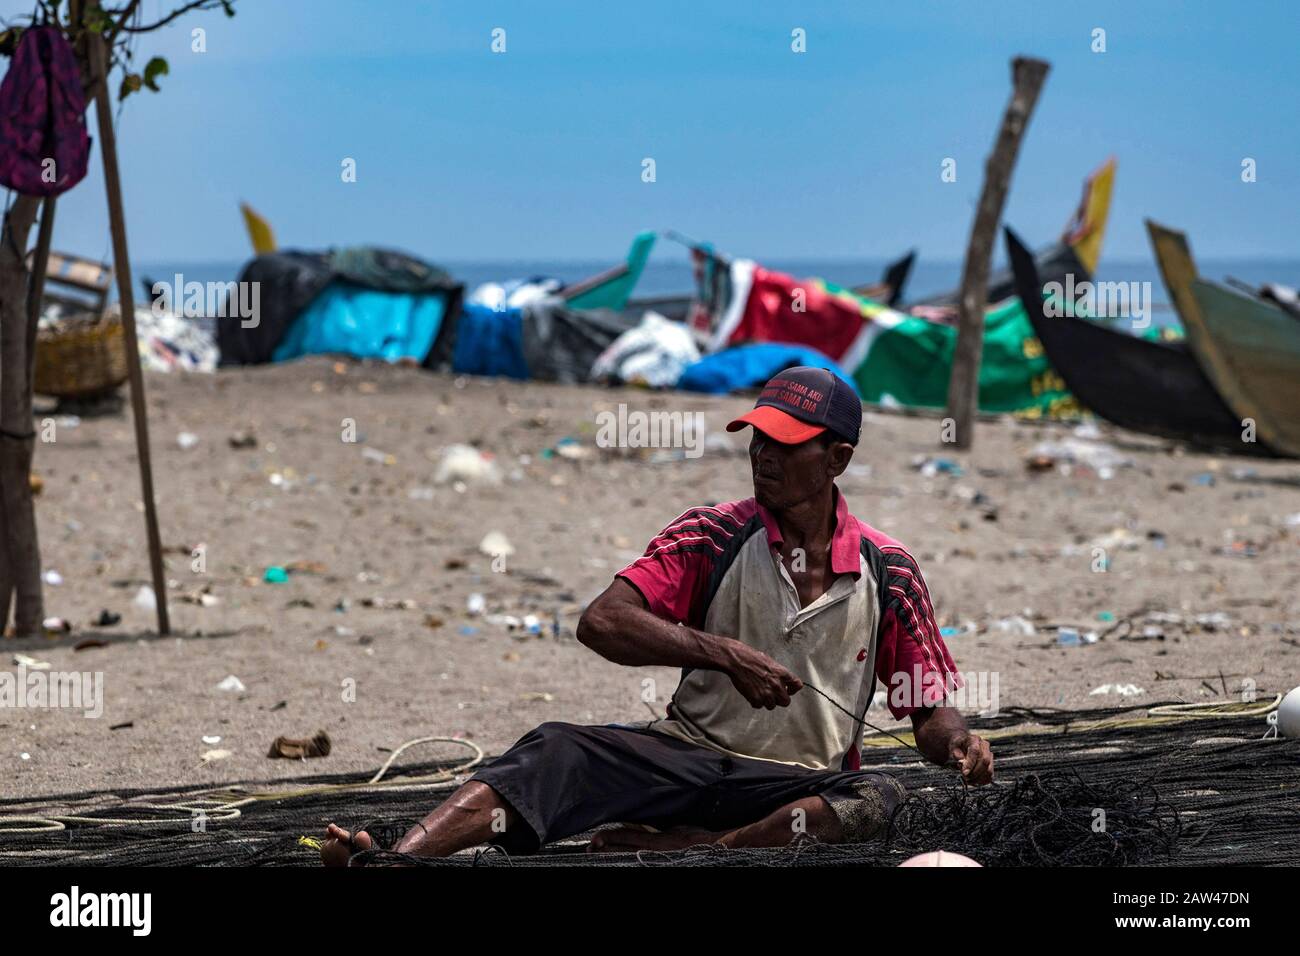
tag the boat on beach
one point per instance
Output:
(1248, 346)
(1148, 385)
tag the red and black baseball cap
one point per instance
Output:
(801, 403)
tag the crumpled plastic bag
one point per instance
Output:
(653, 353)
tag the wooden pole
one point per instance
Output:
(36, 284)
(963, 387)
(126, 300)
(20, 563)
(25, 544)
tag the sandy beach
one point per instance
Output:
(371, 637)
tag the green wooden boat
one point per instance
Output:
(610, 289)
(1249, 348)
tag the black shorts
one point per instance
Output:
(564, 779)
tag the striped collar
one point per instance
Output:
(846, 543)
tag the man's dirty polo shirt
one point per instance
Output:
(719, 569)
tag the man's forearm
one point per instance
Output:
(631, 635)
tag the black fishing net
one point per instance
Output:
(1069, 792)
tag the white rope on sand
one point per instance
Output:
(217, 805)
(1215, 708)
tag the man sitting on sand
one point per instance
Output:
(783, 611)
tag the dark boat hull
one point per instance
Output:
(1152, 387)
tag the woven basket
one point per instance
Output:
(81, 359)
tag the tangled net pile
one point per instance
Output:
(1044, 820)
(1173, 792)
(1038, 820)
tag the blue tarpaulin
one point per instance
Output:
(750, 366)
(350, 319)
(489, 342)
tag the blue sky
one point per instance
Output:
(466, 154)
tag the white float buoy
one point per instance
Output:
(939, 858)
(1288, 714)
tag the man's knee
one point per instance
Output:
(554, 735)
(864, 804)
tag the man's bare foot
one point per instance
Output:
(627, 839)
(339, 845)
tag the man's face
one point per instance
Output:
(787, 475)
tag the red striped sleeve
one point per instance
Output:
(912, 660)
(673, 573)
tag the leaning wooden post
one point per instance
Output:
(963, 387)
(36, 284)
(122, 267)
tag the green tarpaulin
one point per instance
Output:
(910, 362)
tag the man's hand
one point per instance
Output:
(762, 681)
(620, 628)
(974, 758)
(944, 739)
